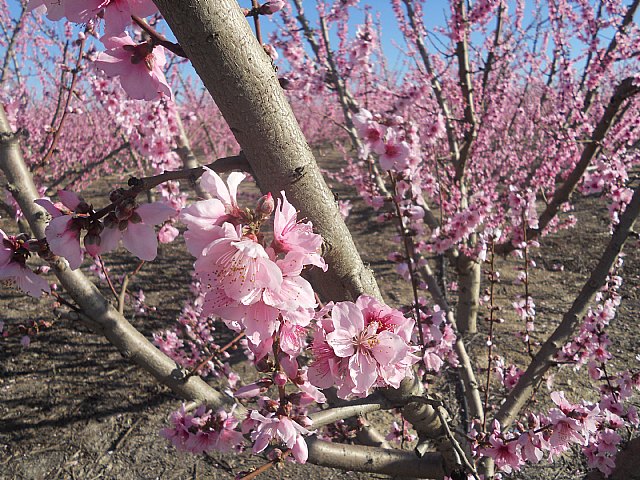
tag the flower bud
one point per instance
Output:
(253, 389)
(266, 205)
(271, 7)
(280, 379)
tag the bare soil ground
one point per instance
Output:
(72, 408)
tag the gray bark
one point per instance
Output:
(238, 73)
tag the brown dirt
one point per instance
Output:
(72, 407)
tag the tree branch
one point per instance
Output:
(571, 319)
(105, 319)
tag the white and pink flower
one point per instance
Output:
(360, 348)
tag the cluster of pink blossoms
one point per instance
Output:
(116, 13)
(568, 424)
(203, 431)
(393, 151)
(253, 289)
(128, 222)
(138, 65)
(360, 346)
(439, 339)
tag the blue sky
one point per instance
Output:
(391, 36)
(435, 14)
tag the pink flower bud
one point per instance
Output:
(266, 205)
(271, 7)
(253, 389)
(280, 379)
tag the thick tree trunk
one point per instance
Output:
(469, 294)
(238, 73)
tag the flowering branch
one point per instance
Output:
(625, 90)
(544, 358)
(613, 44)
(464, 72)
(139, 185)
(11, 45)
(454, 148)
(103, 317)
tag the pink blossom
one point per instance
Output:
(55, 8)
(168, 233)
(371, 132)
(394, 154)
(13, 268)
(203, 431)
(117, 13)
(360, 355)
(291, 235)
(295, 293)
(281, 428)
(240, 266)
(205, 217)
(138, 66)
(63, 231)
(432, 361)
(505, 454)
(227, 194)
(134, 226)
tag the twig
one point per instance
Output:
(256, 20)
(492, 281)
(217, 352)
(106, 275)
(125, 284)
(266, 466)
(456, 444)
(139, 185)
(409, 252)
(625, 90)
(126, 434)
(72, 86)
(157, 38)
(571, 319)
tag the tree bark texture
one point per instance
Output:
(238, 73)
